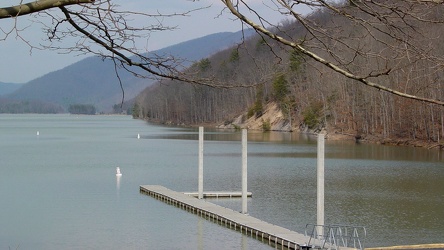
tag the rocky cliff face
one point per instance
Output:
(271, 119)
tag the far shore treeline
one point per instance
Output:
(82, 109)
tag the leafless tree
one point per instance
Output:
(395, 27)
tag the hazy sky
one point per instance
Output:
(20, 65)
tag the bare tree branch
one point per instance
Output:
(37, 6)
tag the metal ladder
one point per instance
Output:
(335, 236)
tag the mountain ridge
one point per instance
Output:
(93, 80)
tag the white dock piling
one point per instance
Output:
(244, 171)
(320, 182)
(200, 185)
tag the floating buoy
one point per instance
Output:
(138, 136)
(118, 172)
(38, 133)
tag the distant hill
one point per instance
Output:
(93, 80)
(7, 88)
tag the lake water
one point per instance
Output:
(58, 189)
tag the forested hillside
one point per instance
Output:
(311, 96)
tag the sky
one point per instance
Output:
(20, 64)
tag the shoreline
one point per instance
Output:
(329, 135)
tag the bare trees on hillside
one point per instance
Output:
(177, 103)
(402, 35)
(325, 58)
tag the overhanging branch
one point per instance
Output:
(158, 67)
(33, 7)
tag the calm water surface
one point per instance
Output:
(58, 189)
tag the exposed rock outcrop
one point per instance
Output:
(271, 119)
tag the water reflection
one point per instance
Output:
(235, 135)
(118, 177)
(244, 242)
(334, 149)
(200, 242)
(348, 150)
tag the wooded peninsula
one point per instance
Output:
(261, 73)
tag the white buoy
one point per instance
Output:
(38, 132)
(138, 136)
(118, 172)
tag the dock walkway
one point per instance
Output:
(275, 235)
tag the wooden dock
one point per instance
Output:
(216, 194)
(271, 234)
